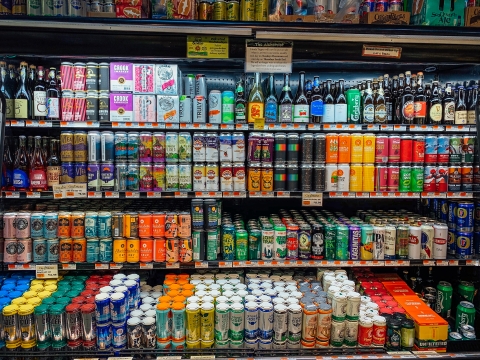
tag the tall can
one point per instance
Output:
(251, 320)
(354, 238)
(366, 245)
(390, 241)
(428, 235)
(402, 241)
(378, 242)
(440, 240)
(414, 242)
(431, 147)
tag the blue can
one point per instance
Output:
(444, 210)
(52, 250)
(81, 173)
(366, 6)
(121, 177)
(436, 208)
(107, 176)
(118, 308)
(93, 250)
(133, 141)
(119, 336)
(91, 218)
(381, 5)
(464, 245)
(133, 292)
(121, 142)
(39, 250)
(443, 149)
(105, 254)
(36, 225)
(94, 145)
(17, 293)
(50, 225)
(68, 173)
(104, 336)
(124, 290)
(476, 244)
(9, 287)
(93, 177)
(354, 238)
(104, 224)
(251, 320)
(465, 216)
(107, 146)
(452, 214)
(102, 308)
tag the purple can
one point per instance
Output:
(68, 173)
(381, 5)
(107, 176)
(267, 147)
(255, 147)
(395, 6)
(158, 147)
(93, 177)
(81, 173)
(354, 237)
(145, 177)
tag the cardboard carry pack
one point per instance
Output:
(437, 12)
(472, 16)
(386, 18)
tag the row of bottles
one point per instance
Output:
(403, 99)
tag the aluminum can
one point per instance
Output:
(265, 322)
(185, 109)
(440, 241)
(427, 245)
(464, 242)
(379, 242)
(354, 238)
(431, 146)
(237, 327)
(337, 336)
(251, 320)
(465, 216)
(294, 321)
(199, 109)
(390, 241)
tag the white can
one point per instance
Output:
(212, 146)
(199, 109)
(343, 177)
(215, 107)
(238, 146)
(390, 240)
(427, 242)
(279, 345)
(185, 109)
(440, 241)
(226, 149)
(414, 242)
(378, 242)
(353, 306)
(309, 322)
(239, 177)
(294, 325)
(332, 290)
(324, 322)
(199, 144)
(212, 181)
(339, 306)
(265, 344)
(337, 333)
(280, 326)
(251, 344)
(251, 321)
(331, 179)
(351, 333)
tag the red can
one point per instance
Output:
(78, 300)
(381, 178)
(392, 303)
(399, 310)
(66, 71)
(418, 149)
(386, 311)
(393, 178)
(292, 241)
(429, 178)
(73, 322)
(79, 72)
(476, 176)
(146, 250)
(66, 105)
(238, 177)
(79, 106)
(441, 180)
(406, 149)
(145, 225)
(365, 332)
(379, 331)
(381, 149)
(393, 148)
(9, 225)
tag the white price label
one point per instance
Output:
(283, 194)
(314, 127)
(241, 127)
(146, 265)
(115, 266)
(112, 194)
(181, 195)
(69, 266)
(442, 263)
(132, 195)
(12, 194)
(33, 195)
(312, 199)
(201, 265)
(80, 124)
(69, 191)
(225, 264)
(155, 195)
(173, 265)
(95, 194)
(99, 266)
(17, 123)
(46, 271)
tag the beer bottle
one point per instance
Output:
(380, 105)
(301, 110)
(341, 104)
(240, 103)
(472, 106)
(394, 99)
(435, 106)
(32, 72)
(53, 96)
(461, 108)
(316, 106)
(271, 102)
(21, 166)
(7, 167)
(374, 87)
(30, 148)
(420, 102)
(38, 175)
(329, 105)
(45, 148)
(407, 105)
(39, 96)
(428, 92)
(388, 98)
(368, 104)
(413, 84)
(401, 89)
(22, 96)
(308, 90)
(448, 105)
(5, 90)
(53, 164)
(285, 103)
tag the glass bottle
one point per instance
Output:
(12, 80)
(329, 105)
(471, 109)
(398, 105)
(38, 174)
(45, 148)
(22, 96)
(271, 101)
(7, 170)
(30, 148)
(53, 164)
(420, 102)
(39, 96)
(394, 99)
(5, 89)
(285, 103)
(448, 105)
(21, 166)
(301, 110)
(256, 101)
(388, 98)
(340, 107)
(407, 112)
(240, 103)
(379, 105)
(32, 72)
(53, 96)
(316, 106)
(461, 108)
(435, 112)
(368, 104)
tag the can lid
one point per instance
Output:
(294, 307)
(121, 289)
(208, 306)
(148, 321)
(87, 308)
(163, 306)
(280, 307)
(25, 309)
(133, 321)
(101, 297)
(56, 309)
(178, 306)
(72, 308)
(117, 296)
(41, 309)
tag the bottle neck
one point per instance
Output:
(301, 84)
(257, 79)
(54, 148)
(271, 84)
(286, 82)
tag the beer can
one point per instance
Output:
(402, 242)
(212, 177)
(467, 178)
(440, 241)
(443, 149)
(381, 148)
(107, 146)
(199, 109)
(464, 245)
(427, 242)
(80, 173)
(337, 332)
(406, 149)
(368, 148)
(455, 149)
(368, 177)
(215, 96)
(431, 146)
(94, 146)
(394, 148)
(418, 145)
(185, 108)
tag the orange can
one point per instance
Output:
(78, 224)
(79, 250)
(159, 250)
(64, 218)
(356, 177)
(119, 250)
(65, 250)
(267, 177)
(158, 224)
(344, 148)
(368, 177)
(172, 250)
(184, 224)
(146, 250)
(145, 225)
(185, 250)
(133, 250)
(254, 179)
(356, 144)
(171, 225)
(368, 149)
(331, 148)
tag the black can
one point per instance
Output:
(292, 178)
(319, 177)
(117, 225)
(91, 79)
(104, 107)
(306, 145)
(279, 177)
(280, 147)
(293, 144)
(318, 247)
(319, 148)
(306, 177)
(104, 77)
(394, 335)
(91, 111)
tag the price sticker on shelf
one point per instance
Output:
(32, 195)
(49, 271)
(11, 194)
(69, 266)
(154, 194)
(179, 194)
(132, 195)
(100, 266)
(201, 265)
(173, 265)
(115, 266)
(95, 194)
(312, 199)
(225, 264)
(70, 191)
(146, 265)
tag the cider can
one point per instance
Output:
(368, 148)
(79, 250)
(66, 250)
(119, 250)
(356, 155)
(133, 250)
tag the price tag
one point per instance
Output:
(173, 265)
(268, 56)
(471, 262)
(171, 126)
(442, 262)
(46, 271)
(70, 191)
(183, 195)
(169, 357)
(428, 263)
(69, 266)
(237, 264)
(202, 357)
(33, 195)
(453, 262)
(80, 124)
(132, 195)
(341, 195)
(420, 128)
(397, 263)
(17, 123)
(373, 127)
(121, 358)
(399, 128)
(259, 124)
(459, 195)
(146, 265)
(95, 194)
(241, 127)
(208, 194)
(207, 47)
(115, 266)
(362, 195)
(386, 127)
(40, 123)
(313, 127)
(239, 194)
(100, 266)
(12, 194)
(112, 194)
(155, 195)
(376, 263)
(148, 125)
(437, 128)
(225, 264)
(284, 194)
(312, 199)
(201, 265)
(431, 195)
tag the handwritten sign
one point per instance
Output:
(268, 56)
(382, 51)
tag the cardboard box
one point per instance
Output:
(121, 76)
(144, 108)
(101, 14)
(159, 9)
(472, 16)
(144, 78)
(322, 18)
(121, 107)
(437, 12)
(398, 289)
(168, 109)
(386, 18)
(167, 79)
(383, 277)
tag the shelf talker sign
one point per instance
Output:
(207, 47)
(268, 56)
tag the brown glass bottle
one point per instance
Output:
(380, 105)
(53, 164)
(407, 112)
(53, 96)
(461, 108)
(448, 105)
(39, 102)
(435, 108)
(368, 104)
(420, 102)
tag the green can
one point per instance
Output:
(354, 106)
(405, 179)
(219, 10)
(466, 291)
(341, 243)
(443, 304)
(241, 245)
(212, 244)
(279, 241)
(233, 10)
(455, 144)
(454, 336)
(468, 149)
(408, 334)
(401, 245)
(465, 315)
(198, 244)
(228, 107)
(228, 242)
(330, 237)
(254, 244)
(417, 179)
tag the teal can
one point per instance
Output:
(254, 244)
(52, 250)
(228, 242)
(50, 225)
(341, 244)
(212, 244)
(241, 245)
(36, 225)
(164, 323)
(105, 250)
(198, 245)
(93, 250)
(39, 250)
(330, 238)
(104, 224)
(91, 218)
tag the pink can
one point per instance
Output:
(79, 72)
(381, 178)
(393, 178)
(2, 249)
(158, 145)
(22, 225)
(9, 225)
(381, 148)
(24, 251)
(10, 251)
(394, 148)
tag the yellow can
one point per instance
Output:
(119, 251)
(133, 250)
(368, 177)
(50, 288)
(35, 301)
(10, 326)
(27, 324)
(233, 10)
(192, 326)
(247, 11)
(29, 294)
(130, 225)
(368, 149)
(267, 177)
(193, 344)
(37, 288)
(207, 327)
(356, 156)
(356, 177)
(207, 344)
(261, 10)
(19, 301)
(219, 10)
(44, 294)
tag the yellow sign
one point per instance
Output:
(259, 124)
(207, 47)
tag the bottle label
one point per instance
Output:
(10, 114)
(436, 113)
(38, 179)
(329, 113)
(21, 109)
(53, 108)
(285, 113)
(240, 115)
(255, 111)
(317, 108)
(449, 111)
(271, 112)
(368, 113)
(389, 111)
(340, 113)
(380, 113)
(20, 179)
(408, 111)
(471, 117)
(53, 175)
(420, 109)
(301, 113)
(461, 117)
(40, 103)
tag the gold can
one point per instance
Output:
(254, 177)
(120, 251)
(368, 177)
(219, 10)
(247, 10)
(133, 250)
(204, 11)
(27, 324)
(233, 10)
(130, 225)
(11, 326)
(356, 177)
(80, 147)
(261, 10)
(267, 177)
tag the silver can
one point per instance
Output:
(34, 7)
(215, 107)
(109, 7)
(390, 240)
(185, 109)
(337, 333)
(200, 85)
(351, 333)
(199, 109)
(324, 322)
(265, 323)
(222, 322)
(265, 344)
(76, 8)
(294, 324)
(189, 85)
(95, 6)
(339, 306)
(353, 306)
(121, 177)
(94, 146)
(280, 324)
(427, 242)
(378, 242)
(60, 8)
